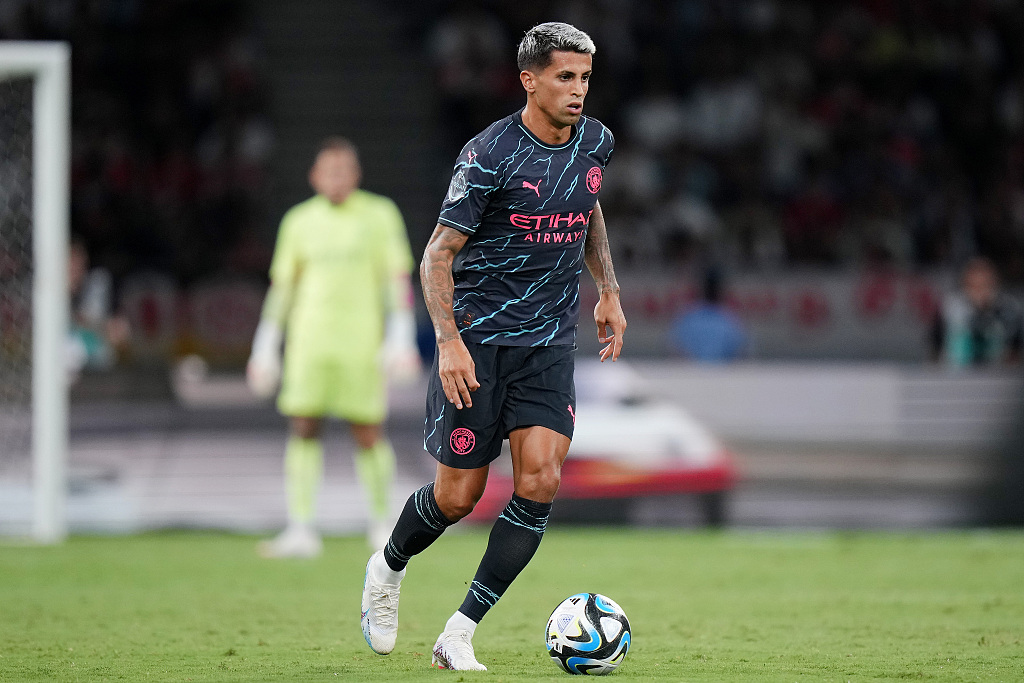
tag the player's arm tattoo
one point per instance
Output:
(436, 280)
(598, 255)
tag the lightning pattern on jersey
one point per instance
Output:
(525, 206)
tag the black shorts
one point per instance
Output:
(520, 386)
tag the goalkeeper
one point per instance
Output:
(340, 289)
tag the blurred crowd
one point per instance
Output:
(170, 133)
(763, 134)
(753, 136)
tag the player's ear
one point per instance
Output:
(526, 78)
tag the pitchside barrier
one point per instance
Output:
(862, 403)
(808, 315)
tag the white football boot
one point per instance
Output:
(380, 609)
(454, 650)
(298, 540)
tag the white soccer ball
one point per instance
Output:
(588, 634)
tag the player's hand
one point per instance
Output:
(263, 374)
(608, 316)
(400, 355)
(457, 371)
(263, 371)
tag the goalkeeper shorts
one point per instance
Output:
(349, 387)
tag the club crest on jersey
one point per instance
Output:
(457, 188)
(462, 440)
(594, 179)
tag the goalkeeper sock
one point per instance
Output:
(375, 468)
(303, 468)
(514, 539)
(419, 525)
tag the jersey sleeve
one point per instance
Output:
(473, 181)
(286, 262)
(610, 147)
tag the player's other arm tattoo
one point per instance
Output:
(598, 255)
(436, 280)
(611, 323)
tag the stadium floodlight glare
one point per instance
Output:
(47, 64)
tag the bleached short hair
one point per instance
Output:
(543, 39)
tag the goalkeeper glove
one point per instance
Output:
(263, 371)
(401, 356)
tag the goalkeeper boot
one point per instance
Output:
(298, 540)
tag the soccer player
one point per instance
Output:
(340, 289)
(979, 325)
(500, 277)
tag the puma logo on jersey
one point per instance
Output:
(535, 188)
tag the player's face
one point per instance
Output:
(335, 174)
(559, 90)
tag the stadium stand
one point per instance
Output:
(771, 133)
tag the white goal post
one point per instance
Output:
(48, 65)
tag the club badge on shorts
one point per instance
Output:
(462, 440)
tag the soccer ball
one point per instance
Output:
(588, 634)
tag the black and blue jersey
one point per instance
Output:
(526, 206)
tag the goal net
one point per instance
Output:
(34, 152)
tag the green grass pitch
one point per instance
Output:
(729, 606)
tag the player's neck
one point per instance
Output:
(336, 200)
(543, 128)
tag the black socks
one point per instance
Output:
(419, 525)
(514, 539)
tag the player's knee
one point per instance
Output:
(457, 507)
(456, 510)
(457, 504)
(306, 427)
(366, 436)
(540, 484)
